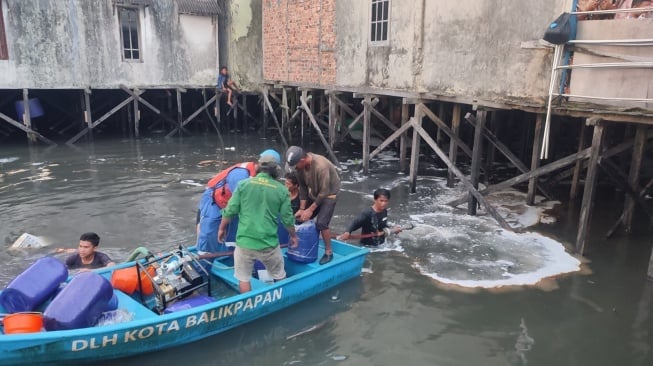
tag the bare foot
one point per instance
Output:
(229, 103)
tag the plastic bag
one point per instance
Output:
(115, 317)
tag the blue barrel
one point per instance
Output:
(309, 239)
(80, 303)
(35, 108)
(35, 285)
(282, 233)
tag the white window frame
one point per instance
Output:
(139, 48)
(378, 24)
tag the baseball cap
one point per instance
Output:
(269, 157)
(294, 155)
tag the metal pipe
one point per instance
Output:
(640, 100)
(615, 42)
(613, 11)
(625, 65)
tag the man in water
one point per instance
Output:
(226, 84)
(259, 202)
(87, 257)
(373, 220)
(319, 184)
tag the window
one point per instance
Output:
(4, 54)
(379, 20)
(129, 27)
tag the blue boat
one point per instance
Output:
(152, 328)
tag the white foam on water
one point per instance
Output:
(10, 159)
(190, 182)
(390, 245)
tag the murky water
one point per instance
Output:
(144, 193)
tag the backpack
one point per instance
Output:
(561, 30)
(221, 191)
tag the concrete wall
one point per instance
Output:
(76, 44)
(466, 48)
(240, 42)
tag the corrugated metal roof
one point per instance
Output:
(199, 7)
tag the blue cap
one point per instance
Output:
(270, 153)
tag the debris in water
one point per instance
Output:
(338, 357)
(28, 241)
(334, 298)
(306, 330)
(524, 343)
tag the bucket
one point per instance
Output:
(309, 238)
(23, 323)
(126, 280)
(35, 285)
(35, 108)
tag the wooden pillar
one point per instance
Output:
(137, 116)
(414, 150)
(180, 115)
(366, 134)
(453, 148)
(633, 175)
(590, 184)
(481, 117)
(27, 118)
(650, 267)
(490, 149)
(535, 157)
(333, 118)
(88, 118)
(265, 112)
(573, 191)
(438, 136)
(403, 140)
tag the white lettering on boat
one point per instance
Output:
(206, 317)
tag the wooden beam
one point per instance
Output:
(384, 119)
(468, 186)
(403, 142)
(333, 119)
(414, 150)
(545, 169)
(453, 147)
(308, 112)
(475, 172)
(535, 157)
(27, 117)
(400, 132)
(274, 117)
(195, 114)
(139, 99)
(22, 127)
(461, 144)
(100, 120)
(88, 118)
(588, 191)
(264, 106)
(137, 115)
(633, 176)
(621, 179)
(180, 114)
(573, 191)
(366, 134)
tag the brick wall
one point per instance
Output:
(298, 41)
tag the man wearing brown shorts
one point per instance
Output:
(319, 184)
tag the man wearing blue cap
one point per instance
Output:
(259, 202)
(215, 198)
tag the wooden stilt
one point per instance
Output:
(88, 118)
(137, 116)
(180, 114)
(311, 118)
(649, 273)
(438, 136)
(333, 118)
(633, 176)
(535, 157)
(573, 191)
(366, 134)
(588, 191)
(266, 100)
(27, 117)
(476, 159)
(24, 128)
(103, 118)
(264, 106)
(403, 142)
(490, 150)
(453, 147)
(414, 150)
(192, 116)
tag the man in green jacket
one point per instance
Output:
(259, 202)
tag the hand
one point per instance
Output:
(222, 234)
(304, 215)
(397, 229)
(294, 241)
(343, 236)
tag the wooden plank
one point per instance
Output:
(535, 157)
(633, 176)
(27, 117)
(401, 131)
(195, 114)
(414, 150)
(573, 191)
(461, 144)
(137, 115)
(180, 114)
(588, 192)
(308, 112)
(545, 169)
(366, 134)
(468, 186)
(101, 119)
(453, 147)
(88, 117)
(333, 119)
(264, 106)
(403, 142)
(621, 179)
(475, 171)
(438, 136)
(384, 119)
(25, 129)
(274, 118)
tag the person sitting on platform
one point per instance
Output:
(87, 257)
(373, 220)
(226, 84)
